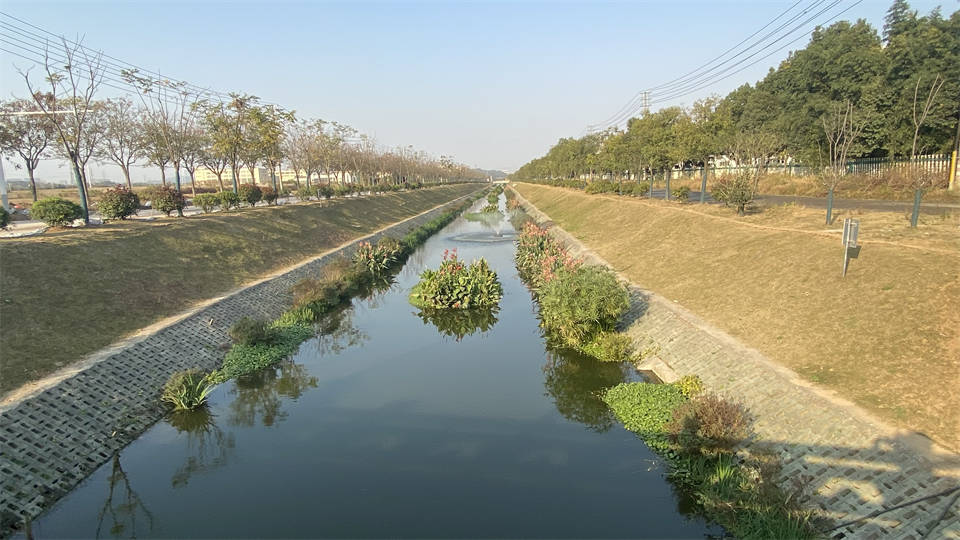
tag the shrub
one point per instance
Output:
(325, 191)
(609, 347)
(737, 192)
(187, 390)
(690, 385)
(55, 211)
(305, 194)
(250, 194)
(601, 186)
(493, 197)
(641, 189)
(708, 425)
(579, 304)
(249, 331)
(337, 281)
(268, 194)
(118, 203)
(167, 199)
(342, 190)
(4, 218)
(457, 285)
(489, 209)
(228, 199)
(682, 193)
(207, 201)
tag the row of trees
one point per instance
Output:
(894, 95)
(175, 127)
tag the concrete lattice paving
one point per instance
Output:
(849, 464)
(51, 441)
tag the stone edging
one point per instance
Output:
(850, 463)
(53, 438)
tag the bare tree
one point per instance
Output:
(841, 133)
(171, 108)
(25, 130)
(123, 142)
(96, 129)
(193, 148)
(74, 79)
(156, 150)
(921, 177)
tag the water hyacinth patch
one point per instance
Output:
(457, 285)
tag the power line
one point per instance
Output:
(714, 81)
(710, 74)
(640, 94)
(113, 62)
(702, 77)
(683, 90)
(124, 86)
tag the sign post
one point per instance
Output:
(851, 228)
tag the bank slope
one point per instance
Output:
(887, 336)
(66, 294)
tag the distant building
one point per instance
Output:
(261, 176)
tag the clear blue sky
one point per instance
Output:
(492, 83)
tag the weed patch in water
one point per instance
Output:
(456, 285)
(697, 438)
(259, 345)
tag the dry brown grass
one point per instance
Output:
(887, 336)
(71, 292)
(887, 188)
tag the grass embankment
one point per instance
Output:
(69, 293)
(887, 336)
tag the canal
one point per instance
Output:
(395, 423)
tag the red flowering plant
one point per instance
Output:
(377, 259)
(457, 285)
(540, 256)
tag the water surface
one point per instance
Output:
(396, 423)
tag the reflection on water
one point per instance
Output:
(374, 293)
(382, 416)
(336, 331)
(490, 220)
(575, 382)
(122, 507)
(258, 394)
(458, 323)
(208, 447)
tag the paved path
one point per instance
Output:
(851, 463)
(53, 439)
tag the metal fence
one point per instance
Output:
(938, 164)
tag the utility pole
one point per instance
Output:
(645, 102)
